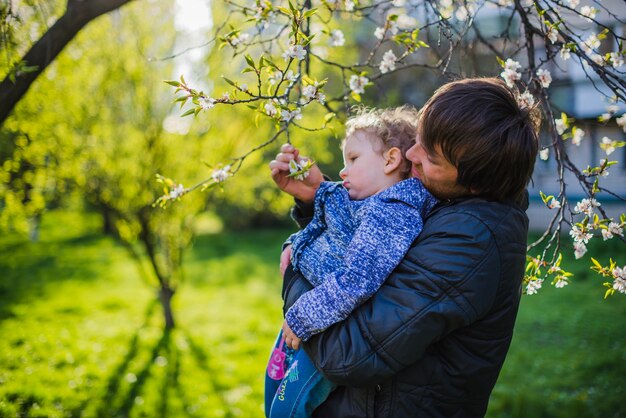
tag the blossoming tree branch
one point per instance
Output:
(298, 57)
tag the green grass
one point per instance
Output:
(82, 336)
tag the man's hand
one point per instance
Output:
(285, 259)
(300, 189)
(291, 339)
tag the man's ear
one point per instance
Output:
(393, 159)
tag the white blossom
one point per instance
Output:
(277, 75)
(505, 3)
(379, 33)
(554, 204)
(592, 42)
(388, 62)
(573, 3)
(357, 84)
(311, 92)
(243, 87)
(177, 191)
(510, 76)
(533, 286)
(221, 174)
(544, 154)
(238, 39)
(207, 103)
(579, 250)
(525, 100)
(621, 122)
(287, 115)
(608, 145)
(561, 283)
(512, 65)
(577, 136)
(552, 34)
(588, 12)
(270, 108)
(612, 109)
(587, 207)
(619, 279)
(337, 38)
(604, 172)
(611, 230)
(294, 51)
(616, 59)
(349, 4)
(579, 235)
(544, 77)
(565, 53)
(560, 125)
(597, 58)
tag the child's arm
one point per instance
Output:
(380, 242)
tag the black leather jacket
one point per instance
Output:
(432, 340)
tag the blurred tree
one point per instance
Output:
(25, 71)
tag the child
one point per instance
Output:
(360, 231)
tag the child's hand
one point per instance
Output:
(285, 259)
(291, 339)
(300, 189)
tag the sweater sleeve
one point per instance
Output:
(383, 237)
(446, 281)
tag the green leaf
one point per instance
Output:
(355, 96)
(250, 61)
(173, 83)
(189, 112)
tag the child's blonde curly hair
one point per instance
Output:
(393, 127)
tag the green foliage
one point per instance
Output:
(82, 336)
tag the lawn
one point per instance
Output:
(82, 336)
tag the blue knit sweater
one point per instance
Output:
(350, 247)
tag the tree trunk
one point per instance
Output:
(46, 49)
(165, 296)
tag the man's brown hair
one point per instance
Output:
(481, 129)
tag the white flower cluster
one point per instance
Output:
(277, 75)
(357, 84)
(336, 38)
(617, 59)
(296, 51)
(525, 100)
(621, 122)
(619, 279)
(577, 136)
(510, 73)
(388, 62)
(177, 191)
(271, 107)
(533, 286)
(221, 174)
(544, 154)
(612, 229)
(289, 115)
(608, 145)
(588, 12)
(312, 92)
(587, 207)
(553, 204)
(565, 53)
(238, 39)
(206, 103)
(545, 78)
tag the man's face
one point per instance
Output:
(437, 174)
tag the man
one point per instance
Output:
(432, 340)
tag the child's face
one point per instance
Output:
(363, 174)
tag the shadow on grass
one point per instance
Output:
(30, 268)
(119, 402)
